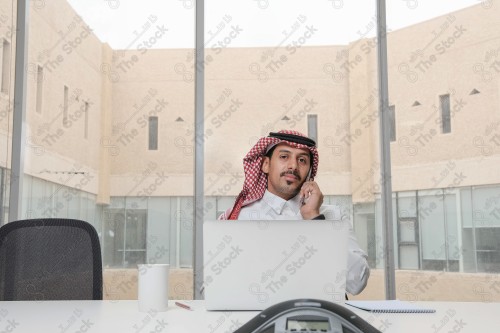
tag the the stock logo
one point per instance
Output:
(11, 326)
(161, 252)
(221, 118)
(301, 261)
(294, 259)
(310, 104)
(445, 44)
(71, 45)
(161, 177)
(222, 264)
(292, 48)
(85, 326)
(149, 43)
(235, 32)
(159, 324)
(292, 268)
(160, 105)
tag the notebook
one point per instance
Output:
(390, 306)
(251, 265)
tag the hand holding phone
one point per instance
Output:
(311, 199)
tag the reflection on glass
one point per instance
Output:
(111, 134)
(279, 66)
(442, 80)
(103, 104)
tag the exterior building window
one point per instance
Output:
(392, 117)
(153, 133)
(65, 105)
(5, 79)
(39, 89)
(312, 127)
(125, 237)
(86, 121)
(408, 230)
(444, 101)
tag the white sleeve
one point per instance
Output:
(358, 270)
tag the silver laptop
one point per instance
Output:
(251, 265)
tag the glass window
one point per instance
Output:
(267, 72)
(263, 72)
(312, 126)
(39, 89)
(6, 70)
(444, 102)
(426, 46)
(153, 133)
(101, 90)
(408, 231)
(392, 117)
(86, 120)
(125, 235)
(65, 105)
(488, 251)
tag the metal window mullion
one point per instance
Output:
(474, 241)
(398, 231)
(385, 154)
(460, 227)
(125, 236)
(19, 118)
(420, 254)
(445, 226)
(199, 149)
(178, 233)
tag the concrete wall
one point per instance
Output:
(435, 286)
(436, 57)
(340, 83)
(410, 286)
(70, 54)
(248, 93)
(121, 284)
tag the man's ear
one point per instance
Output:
(265, 165)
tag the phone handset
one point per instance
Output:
(304, 199)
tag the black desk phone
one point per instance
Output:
(307, 316)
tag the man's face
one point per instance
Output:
(286, 170)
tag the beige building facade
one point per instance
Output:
(110, 134)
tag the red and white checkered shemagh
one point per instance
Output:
(255, 183)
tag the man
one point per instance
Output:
(279, 184)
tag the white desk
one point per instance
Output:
(123, 316)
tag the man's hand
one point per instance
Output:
(312, 199)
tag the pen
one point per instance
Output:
(184, 306)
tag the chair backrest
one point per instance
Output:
(50, 259)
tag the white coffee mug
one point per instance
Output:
(152, 287)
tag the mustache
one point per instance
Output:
(291, 172)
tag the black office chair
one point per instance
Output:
(50, 259)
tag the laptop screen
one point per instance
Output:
(251, 265)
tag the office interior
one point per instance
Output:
(110, 133)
